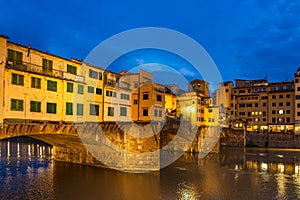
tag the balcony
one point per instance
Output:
(37, 69)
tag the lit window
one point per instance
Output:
(280, 112)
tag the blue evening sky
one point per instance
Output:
(247, 39)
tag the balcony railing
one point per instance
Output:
(37, 69)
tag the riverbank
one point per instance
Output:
(232, 138)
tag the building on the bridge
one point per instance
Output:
(197, 106)
(38, 86)
(199, 86)
(117, 94)
(259, 104)
(147, 98)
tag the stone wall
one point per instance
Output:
(126, 146)
(233, 138)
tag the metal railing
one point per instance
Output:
(37, 69)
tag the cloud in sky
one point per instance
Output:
(187, 72)
(271, 48)
(246, 39)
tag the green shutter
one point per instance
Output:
(51, 85)
(19, 57)
(69, 108)
(71, 69)
(79, 109)
(69, 87)
(80, 89)
(51, 108)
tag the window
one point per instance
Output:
(160, 113)
(72, 69)
(273, 96)
(47, 66)
(280, 112)
(136, 85)
(17, 79)
(100, 75)
(110, 111)
(280, 103)
(288, 120)
(298, 105)
(51, 108)
(80, 89)
(280, 88)
(242, 105)
(123, 111)
(280, 96)
(125, 96)
(297, 96)
(93, 74)
(274, 104)
(273, 120)
(158, 97)
(273, 112)
(70, 87)
(145, 96)
(273, 89)
(264, 97)
(264, 113)
(51, 85)
(288, 96)
(90, 89)
(298, 113)
(226, 90)
(14, 56)
(99, 91)
(145, 112)
(264, 119)
(288, 111)
(111, 93)
(35, 82)
(256, 104)
(288, 103)
(79, 109)
(69, 108)
(35, 106)
(298, 88)
(155, 112)
(264, 104)
(135, 101)
(94, 109)
(16, 104)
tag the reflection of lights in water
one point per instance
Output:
(279, 156)
(51, 151)
(29, 151)
(41, 151)
(280, 167)
(187, 191)
(281, 181)
(18, 149)
(296, 169)
(8, 149)
(236, 167)
(264, 166)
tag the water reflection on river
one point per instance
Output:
(28, 172)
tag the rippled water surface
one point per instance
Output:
(27, 171)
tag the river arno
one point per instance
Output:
(28, 172)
